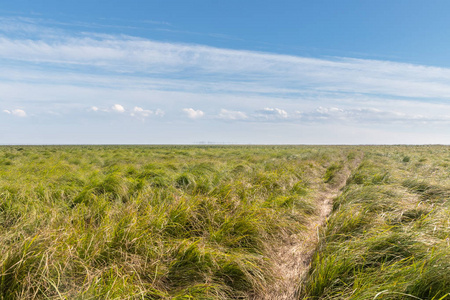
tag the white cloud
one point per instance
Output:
(367, 115)
(193, 114)
(71, 71)
(16, 112)
(137, 112)
(140, 111)
(334, 115)
(125, 55)
(159, 113)
(271, 114)
(232, 115)
(118, 108)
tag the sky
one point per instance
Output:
(224, 72)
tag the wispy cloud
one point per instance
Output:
(16, 112)
(226, 114)
(271, 114)
(94, 76)
(333, 115)
(131, 55)
(367, 115)
(138, 112)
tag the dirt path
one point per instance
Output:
(293, 255)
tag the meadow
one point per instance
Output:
(206, 222)
(388, 234)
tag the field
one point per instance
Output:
(224, 222)
(388, 234)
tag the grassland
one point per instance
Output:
(388, 234)
(110, 222)
(184, 222)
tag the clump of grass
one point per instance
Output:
(331, 172)
(414, 214)
(365, 175)
(433, 280)
(427, 191)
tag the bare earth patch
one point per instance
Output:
(294, 253)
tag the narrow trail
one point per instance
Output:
(293, 255)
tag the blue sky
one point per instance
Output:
(246, 72)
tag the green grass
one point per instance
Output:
(152, 222)
(185, 222)
(388, 234)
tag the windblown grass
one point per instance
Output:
(388, 234)
(126, 222)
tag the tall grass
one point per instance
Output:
(387, 237)
(126, 222)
